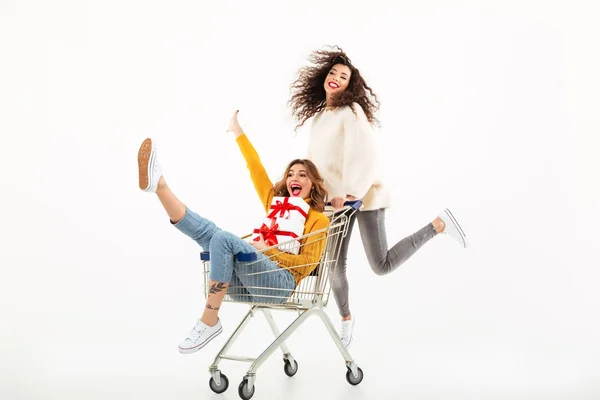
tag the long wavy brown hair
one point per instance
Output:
(308, 93)
(318, 194)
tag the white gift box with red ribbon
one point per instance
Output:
(284, 223)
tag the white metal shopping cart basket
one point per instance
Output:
(310, 297)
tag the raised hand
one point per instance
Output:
(234, 125)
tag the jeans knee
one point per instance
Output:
(220, 239)
(381, 268)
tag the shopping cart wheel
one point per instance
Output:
(288, 368)
(243, 390)
(219, 388)
(354, 380)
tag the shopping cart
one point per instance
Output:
(310, 297)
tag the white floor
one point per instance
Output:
(395, 364)
(413, 340)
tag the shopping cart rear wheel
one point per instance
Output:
(288, 368)
(219, 388)
(243, 390)
(354, 380)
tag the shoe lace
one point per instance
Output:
(197, 331)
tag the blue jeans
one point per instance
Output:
(223, 246)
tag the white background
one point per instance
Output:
(490, 108)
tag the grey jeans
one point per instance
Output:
(371, 224)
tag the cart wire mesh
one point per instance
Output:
(313, 290)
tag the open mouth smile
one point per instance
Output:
(295, 189)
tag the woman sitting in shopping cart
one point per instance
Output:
(301, 179)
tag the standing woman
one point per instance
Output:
(342, 145)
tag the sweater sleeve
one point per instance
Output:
(260, 178)
(312, 249)
(359, 165)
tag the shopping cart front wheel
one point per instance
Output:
(354, 380)
(290, 368)
(219, 387)
(243, 390)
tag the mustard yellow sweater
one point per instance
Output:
(312, 247)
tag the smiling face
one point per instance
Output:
(298, 184)
(337, 79)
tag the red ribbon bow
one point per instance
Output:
(281, 207)
(269, 233)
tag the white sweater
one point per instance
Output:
(343, 146)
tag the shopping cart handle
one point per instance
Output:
(243, 257)
(356, 204)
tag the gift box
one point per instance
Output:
(288, 208)
(283, 223)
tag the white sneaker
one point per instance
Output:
(453, 229)
(199, 337)
(347, 332)
(149, 168)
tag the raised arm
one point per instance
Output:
(359, 166)
(260, 178)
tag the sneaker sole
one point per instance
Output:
(201, 345)
(459, 229)
(145, 157)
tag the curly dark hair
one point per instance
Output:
(318, 194)
(308, 93)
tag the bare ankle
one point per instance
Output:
(162, 184)
(438, 225)
(210, 321)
